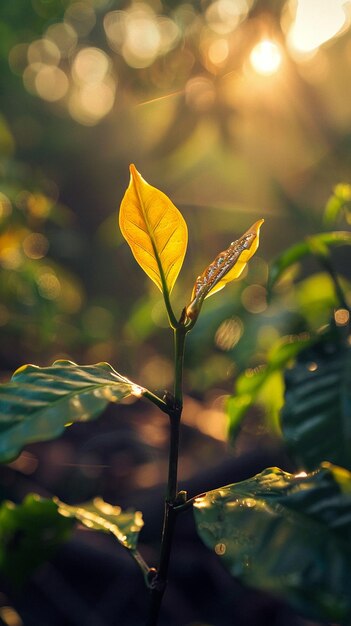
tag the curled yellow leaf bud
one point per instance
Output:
(227, 266)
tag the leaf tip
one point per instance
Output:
(133, 170)
(20, 370)
(135, 176)
(255, 228)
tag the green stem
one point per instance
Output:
(187, 504)
(156, 400)
(179, 346)
(172, 483)
(171, 317)
(142, 564)
(174, 411)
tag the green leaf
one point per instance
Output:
(315, 244)
(315, 298)
(40, 401)
(29, 535)
(100, 515)
(285, 534)
(316, 418)
(252, 384)
(338, 202)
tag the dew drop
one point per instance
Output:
(312, 367)
(220, 549)
(249, 502)
(246, 561)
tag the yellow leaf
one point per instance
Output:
(155, 231)
(227, 266)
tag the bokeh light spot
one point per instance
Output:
(35, 246)
(218, 51)
(10, 253)
(142, 41)
(266, 58)
(139, 35)
(254, 298)
(169, 34)
(43, 51)
(29, 76)
(342, 317)
(5, 207)
(64, 37)
(229, 333)
(223, 16)
(49, 285)
(37, 204)
(51, 83)
(115, 29)
(81, 17)
(92, 102)
(90, 66)
(18, 58)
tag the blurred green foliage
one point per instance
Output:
(30, 532)
(313, 300)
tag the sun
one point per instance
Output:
(266, 57)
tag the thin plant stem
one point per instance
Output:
(156, 400)
(187, 504)
(171, 317)
(179, 346)
(142, 564)
(172, 483)
(159, 583)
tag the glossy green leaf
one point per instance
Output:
(155, 231)
(339, 201)
(29, 535)
(316, 418)
(285, 534)
(40, 401)
(315, 244)
(100, 515)
(251, 385)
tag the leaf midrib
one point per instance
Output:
(153, 242)
(65, 398)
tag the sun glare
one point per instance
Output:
(316, 22)
(266, 58)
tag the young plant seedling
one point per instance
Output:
(157, 235)
(282, 533)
